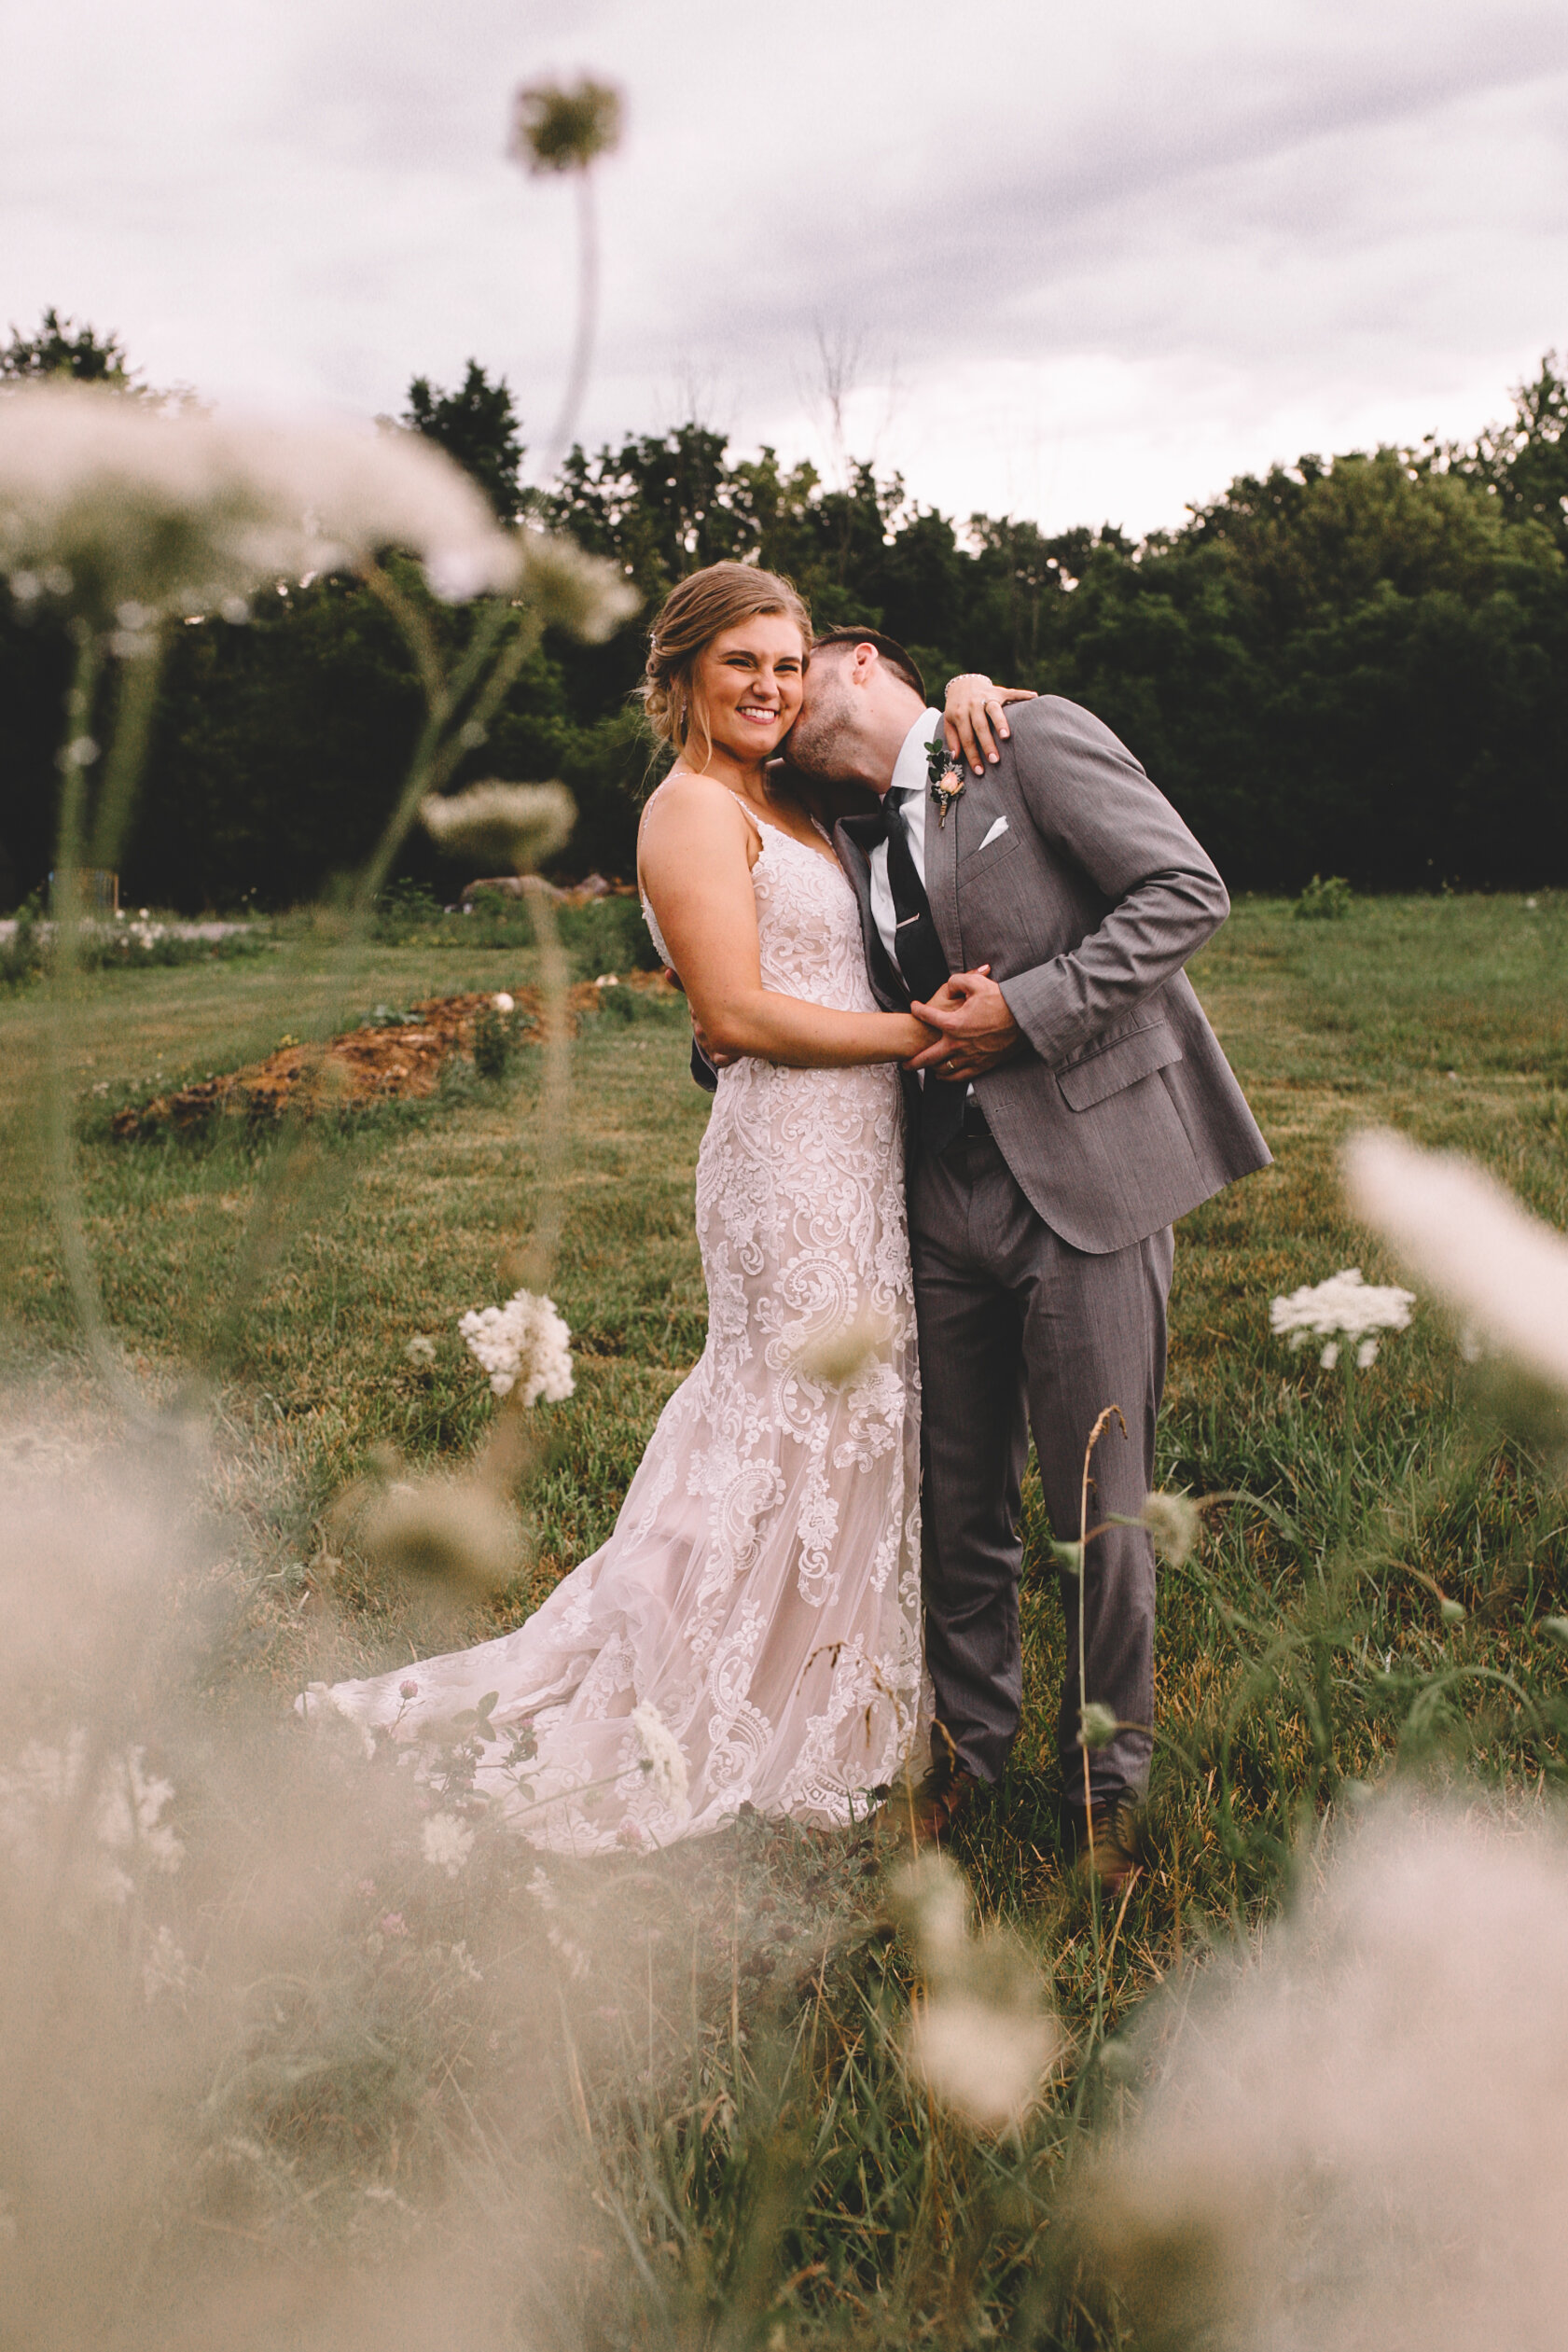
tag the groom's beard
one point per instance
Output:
(818, 743)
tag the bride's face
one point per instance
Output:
(747, 683)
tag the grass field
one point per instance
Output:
(1285, 1671)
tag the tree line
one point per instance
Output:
(1355, 664)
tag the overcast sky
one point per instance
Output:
(1081, 263)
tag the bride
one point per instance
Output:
(761, 1588)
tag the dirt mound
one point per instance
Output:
(386, 1060)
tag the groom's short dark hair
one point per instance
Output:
(902, 664)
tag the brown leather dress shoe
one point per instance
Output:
(1111, 1851)
(926, 1817)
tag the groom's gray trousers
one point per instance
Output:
(1019, 1332)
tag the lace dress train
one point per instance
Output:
(761, 1586)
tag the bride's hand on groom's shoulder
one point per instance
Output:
(972, 707)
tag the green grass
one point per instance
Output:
(1281, 1674)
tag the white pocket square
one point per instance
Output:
(996, 833)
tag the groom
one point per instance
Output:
(1038, 913)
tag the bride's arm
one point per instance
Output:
(693, 865)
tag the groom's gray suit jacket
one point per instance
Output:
(1086, 901)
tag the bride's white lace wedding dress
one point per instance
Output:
(761, 1588)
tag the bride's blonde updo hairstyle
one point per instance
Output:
(693, 614)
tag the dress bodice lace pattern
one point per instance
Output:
(761, 1587)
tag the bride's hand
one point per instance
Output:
(973, 704)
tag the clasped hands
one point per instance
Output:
(975, 1030)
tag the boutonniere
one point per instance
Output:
(946, 778)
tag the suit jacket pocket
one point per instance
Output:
(975, 861)
(1102, 1075)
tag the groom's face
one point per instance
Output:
(819, 743)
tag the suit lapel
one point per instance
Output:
(853, 838)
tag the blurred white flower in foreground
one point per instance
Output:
(1503, 1272)
(1176, 1521)
(510, 827)
(111, 506)
(666, 1760)
(446, 1843)
(40, 1797)
(981, 2038)
(527, 1342)
(1345, 1307)
(1353, 2135)
(442, 1531)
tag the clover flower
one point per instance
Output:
(1345, 1307)
(446, 1843)
(525, 1343)
(1503, 1272)
(125, 513)
(1176, 1521)
(663, 1754)
(514, 827)
(1097, 1724)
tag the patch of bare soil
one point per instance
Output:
(377, 1063)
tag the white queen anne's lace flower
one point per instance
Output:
(665, 1758)
(1501, 1271)
(1345, 1307)
(524, 1342)
(112, 504)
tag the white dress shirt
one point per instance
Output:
(906, 793)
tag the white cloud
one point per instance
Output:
(1094, 261)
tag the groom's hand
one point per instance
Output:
(977, 1029)
(715, 1055)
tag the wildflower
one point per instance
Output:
(446, 1843)
(130, 1807)
(1176, 1523)
(542, 1891)
(502, 1002)
(393, 1923)
(1345, 1307)
(662, 1754)
(1097, 1724)
(983, 2039)
(514, 827)
(559, 130)
(165, 1968)
(1503, 1272)
(407, 1688)
(420, 1349)
(112, 505)
(608, 979)
(572, 1953)
(987, 2064)
(463, 1961)
(524, 1342)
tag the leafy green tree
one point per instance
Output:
(478, 425)
(62, 348)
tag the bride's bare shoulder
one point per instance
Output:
(688, 814)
